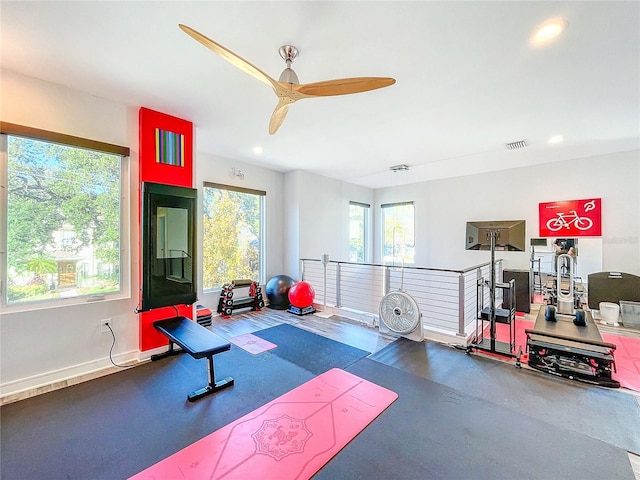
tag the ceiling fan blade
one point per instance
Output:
(343, 86)
(231, 57)
(277, 117)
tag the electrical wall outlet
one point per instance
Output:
(105, 323)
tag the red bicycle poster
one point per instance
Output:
(571, 218)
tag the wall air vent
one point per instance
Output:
(516, 145)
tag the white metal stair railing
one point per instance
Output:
(446, 298)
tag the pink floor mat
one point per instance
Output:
(252, 344)
(291, 437)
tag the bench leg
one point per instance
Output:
(169, 353)
(213, 385)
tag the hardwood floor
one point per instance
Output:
(337, 328)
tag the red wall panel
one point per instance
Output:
(150, 169)
(158, 134)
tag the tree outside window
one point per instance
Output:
(63, 213)
(398, 227)
(232, 235)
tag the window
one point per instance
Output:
(398, 242)
(63, 209)
(232, 243)
(358, 231)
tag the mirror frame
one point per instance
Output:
(155, 196)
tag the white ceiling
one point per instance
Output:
(468, 81)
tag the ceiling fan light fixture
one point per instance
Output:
(288, 54)
(289, 76)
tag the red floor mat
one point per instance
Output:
(627, 357)
(291, 437)
(627, 353)
(252, 344)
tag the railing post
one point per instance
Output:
(479, 302)
(421, 278)
(461, 305)
(387, 279)
(338, 299)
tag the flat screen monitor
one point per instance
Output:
(538, 242)
(509, 235)
(168, 245)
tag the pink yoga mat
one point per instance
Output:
(252, 344)
(291, 437)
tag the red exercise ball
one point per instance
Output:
(301, 295)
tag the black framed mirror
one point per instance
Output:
(168, 246)
(509, 235)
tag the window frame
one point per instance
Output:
(9, 129)
(382, 232)
(262, 237)
(366, 231)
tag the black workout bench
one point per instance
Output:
(197, 341)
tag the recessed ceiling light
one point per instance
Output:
(548, 31)
(555, 139)
(257, 150)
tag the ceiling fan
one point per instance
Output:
(287, 88)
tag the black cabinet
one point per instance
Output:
(612, 287)
(523, 289)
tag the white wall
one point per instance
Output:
(316, 212)
(318, 217)
(442, 208)
(293, 192)
(38, 347)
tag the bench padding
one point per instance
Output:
(196, 340)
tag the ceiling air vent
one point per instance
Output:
(399, 168)
(516, 145)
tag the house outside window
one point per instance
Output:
(61, 221)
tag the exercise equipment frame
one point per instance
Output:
(495, 315)
(575, 352)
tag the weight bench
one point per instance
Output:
(197, 341)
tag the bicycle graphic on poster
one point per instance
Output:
(566, 220)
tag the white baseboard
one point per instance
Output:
(146, 355)
(366, 318)
(55, 379)
(443, 336)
